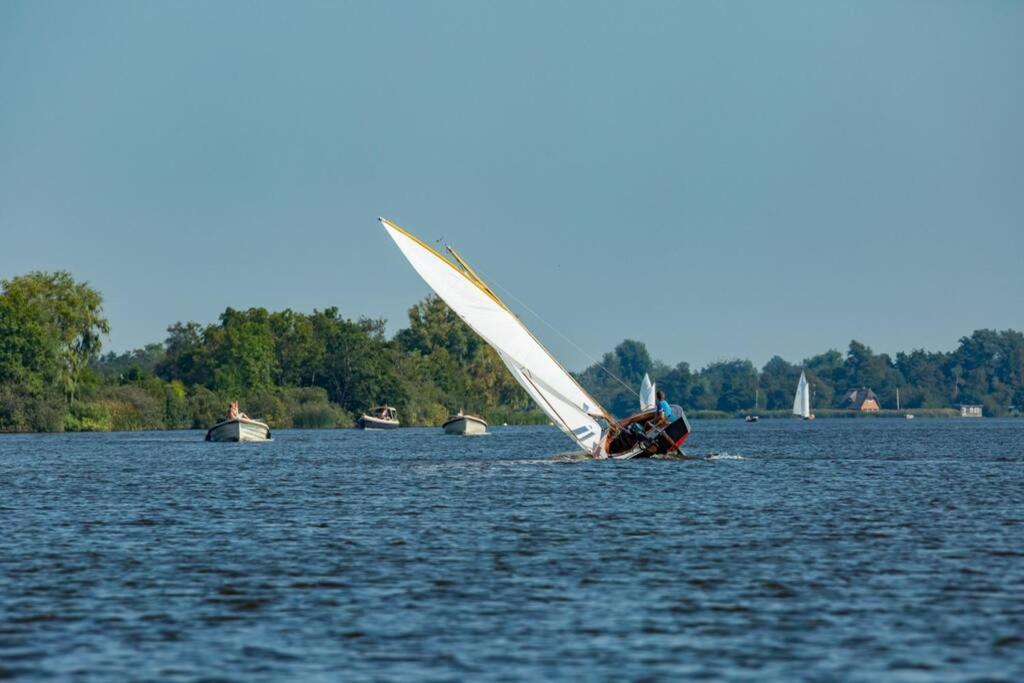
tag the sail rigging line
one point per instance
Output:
(537, 315)
(566, 427)
(479, 282)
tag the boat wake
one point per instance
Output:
(583, 456)
(575, 456)
(723, 456)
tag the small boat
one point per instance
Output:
(751, 418)
(460, 423)
(381, 417)
(802, 401)
(555, 391)
(238, 427)
(909, 416)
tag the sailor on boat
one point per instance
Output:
(664, 412)
(238, 427)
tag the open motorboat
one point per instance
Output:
(460, 423)
(381, 417)
(238, 427)
(553, 389)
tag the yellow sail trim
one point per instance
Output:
(478, 282)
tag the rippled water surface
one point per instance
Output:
(857, 549)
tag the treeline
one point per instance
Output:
(987, 368)
(292, 369)
(322, 370)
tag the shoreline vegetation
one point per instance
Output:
(321, 370)
(825, 413)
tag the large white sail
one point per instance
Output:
(802, 400)
(646, 394)
(547, 382)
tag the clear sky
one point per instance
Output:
(716, 179)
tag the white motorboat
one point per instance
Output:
(238, 427)
(381, 417)
(461, 423)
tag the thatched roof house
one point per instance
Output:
(862, 399)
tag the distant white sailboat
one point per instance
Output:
(555, 391)
(647, 393)
(802, 400)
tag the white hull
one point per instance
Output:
(465, 424)
(370, 422)
(239, 430)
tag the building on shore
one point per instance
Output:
(970, 410)
(862, 399)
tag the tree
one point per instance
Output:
(69, 315)
(1018, 399)
(677, 383)
(242, 351)
(778, 383)
(733, 383)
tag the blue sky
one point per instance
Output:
(716, 179)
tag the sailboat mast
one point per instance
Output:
(897, 399)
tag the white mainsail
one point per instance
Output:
(646, 394)
(802, 401)
(547, 382)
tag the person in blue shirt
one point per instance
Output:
(662, 408)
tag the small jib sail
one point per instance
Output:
(560, 396)
(646, 394)
(802, 401)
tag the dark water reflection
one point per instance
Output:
(863, 549)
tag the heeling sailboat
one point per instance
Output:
(802, 400)
(550, 385)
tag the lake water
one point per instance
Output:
(855, 549)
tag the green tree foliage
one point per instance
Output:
(321, 369)
(615, 379)
(986, 368)
(778, 383)
(733, 383)
(64, 323)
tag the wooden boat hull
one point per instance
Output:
(465, 424)
(239, 430)
(370, 422)
(623, 443)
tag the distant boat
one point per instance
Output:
(553, 389)
(238, 427)
(381, 417)
(461, 423)
(751, 418)
(802, 400)
(647, 394)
